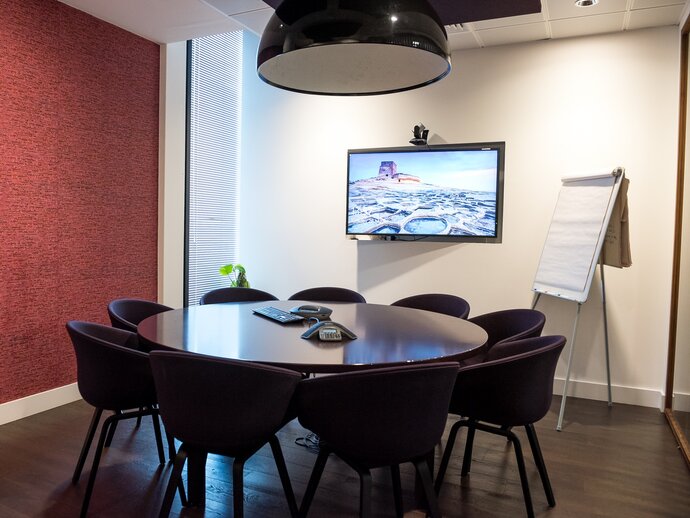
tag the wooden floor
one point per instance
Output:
(607, 462)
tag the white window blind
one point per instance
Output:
(215, 93)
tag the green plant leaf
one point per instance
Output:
(236, 273)
(227, 269)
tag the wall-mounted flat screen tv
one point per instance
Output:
(449, 192)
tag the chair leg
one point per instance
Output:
(284, 477)
(171, 445)
(523, 473)
(447, 453)
(314, 481)
(467, 458)
(105, 431)
(238, 487)
(111, 433)
(397, 490)
(87, 444)
(183, 494)
(175, 482)
(196, 477)
(157, 432)
(141, 409)
(428, 486)
(539, 461)
(364, 493)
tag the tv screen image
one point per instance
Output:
(450, 191)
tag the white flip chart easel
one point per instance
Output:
(573, 249)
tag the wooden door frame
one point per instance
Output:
(677, 243)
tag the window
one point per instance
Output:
(214, 95)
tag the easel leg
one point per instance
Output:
(535, 300)
(567, 374)
(606, 330)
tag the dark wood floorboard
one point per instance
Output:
(607, 462)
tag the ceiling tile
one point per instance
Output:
(645, 4)
(656, 17)
(570, 27)
(255, 21)
(506, 22)
(567, 9)
(514, 34)
(162, 21)
(232, 7)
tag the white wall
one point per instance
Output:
(171, 176)
(563, 107)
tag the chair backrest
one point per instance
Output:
(513, 390)
(510, 324)
(220, 405)
(220, 295)
(111, 373)
(328, 294)
(437, 302)
(126, 313)
(379, 416)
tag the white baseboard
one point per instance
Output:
(619, 394)
(36, 403)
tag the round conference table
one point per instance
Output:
(386, 336)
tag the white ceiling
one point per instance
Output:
(168, 21)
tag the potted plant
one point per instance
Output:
(237, 275)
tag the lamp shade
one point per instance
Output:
(353, 47)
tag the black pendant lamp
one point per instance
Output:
(353, 47)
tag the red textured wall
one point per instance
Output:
(78, 182)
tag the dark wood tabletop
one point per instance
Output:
(386, 336)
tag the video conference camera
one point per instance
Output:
(420, 135)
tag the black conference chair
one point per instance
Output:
(224, 407)
(437, 302)
(221, 295)
(503, 392)
(506, 326)
(328, 294)
(377, 418)
(126, 313)
(111, 375)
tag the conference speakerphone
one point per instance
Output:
(277, 315)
